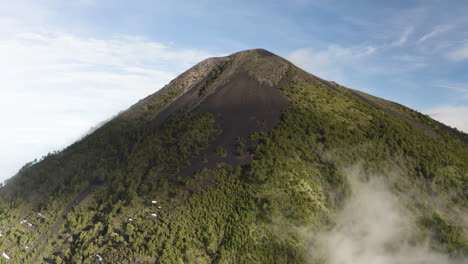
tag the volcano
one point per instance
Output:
(241, 159)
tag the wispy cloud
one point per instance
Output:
(460, 88)
(332, 62)
(404, 37)
(438, 30)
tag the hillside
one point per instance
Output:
(241, 159)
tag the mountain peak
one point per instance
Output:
(258, 64)
(241, 90)
(257, 51)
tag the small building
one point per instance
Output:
(154, 202)
(40, 215)
(26, 222)
(154, 215)
(5, 255)
(99, 257)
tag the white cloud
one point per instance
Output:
(459, 53)
(55, 86)
(454, 116)
(331, 63)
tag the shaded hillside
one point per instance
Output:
(229, 163)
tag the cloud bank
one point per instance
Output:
(454, 116)
(55, 86)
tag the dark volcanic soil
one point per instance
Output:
(241, 106)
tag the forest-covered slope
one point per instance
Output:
(241, 159)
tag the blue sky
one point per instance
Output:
(68, 65)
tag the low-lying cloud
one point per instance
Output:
(374, 227)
